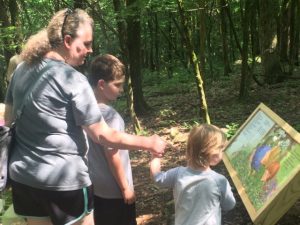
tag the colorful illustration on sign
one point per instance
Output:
(264, 156)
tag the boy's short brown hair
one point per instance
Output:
(201, 142)
(106, 67)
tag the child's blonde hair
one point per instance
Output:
(201, 142)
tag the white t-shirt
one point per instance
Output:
(104, 182)
(199, 195)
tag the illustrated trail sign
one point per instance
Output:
(263, 160)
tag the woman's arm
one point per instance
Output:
(101, 133)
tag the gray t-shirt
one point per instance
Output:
(50, 150)
(105, 185)
(199, 195)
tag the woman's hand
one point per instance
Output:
(158, 146)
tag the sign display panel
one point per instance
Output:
(263, 160)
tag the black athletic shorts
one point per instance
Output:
(62, 207)
(113, 212)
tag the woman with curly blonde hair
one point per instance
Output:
(48, 167)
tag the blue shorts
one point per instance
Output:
(61, 207)
(113, 212)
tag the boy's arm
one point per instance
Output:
(115, 163)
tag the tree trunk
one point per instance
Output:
(134, 47)
(293, 9)
(195, 63)
(7, 51)
(202, 34)
(268, 27)
(5, 23)
(121, 26)
(245, 79)
(181, 40)
(151, 42)
(228, 11)
(284, 31)
(157, 59)
(209, 45)
(232, 48)
(254, 31)
(14, 11)
(227, 69)
(297, 32)
(170, 49)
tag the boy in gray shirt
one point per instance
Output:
(110, 169)
(199, 192)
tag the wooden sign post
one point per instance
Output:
(263, 160)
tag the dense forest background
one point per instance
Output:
(157, 38)
(187, 62)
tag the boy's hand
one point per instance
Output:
(129, 196)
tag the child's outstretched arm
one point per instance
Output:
(162, 178)
(116, 167)
(155, 166)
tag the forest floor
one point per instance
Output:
(175, 113)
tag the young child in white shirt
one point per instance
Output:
(200, 194)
